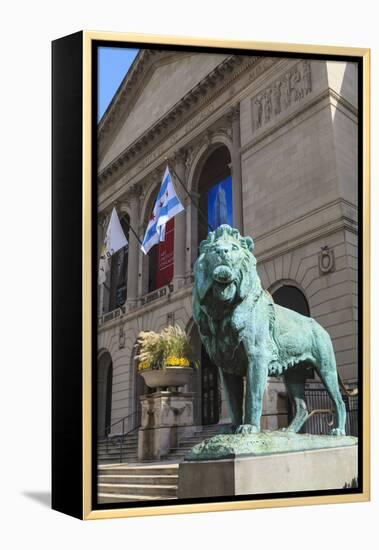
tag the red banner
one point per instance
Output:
(165, 271)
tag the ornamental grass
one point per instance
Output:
(170, 347)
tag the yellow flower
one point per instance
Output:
(177, 361)
(143, 366)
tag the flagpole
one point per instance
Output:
(134, 233)
(189, 195)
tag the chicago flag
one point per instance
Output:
(167, 205)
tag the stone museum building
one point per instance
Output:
(266, 144)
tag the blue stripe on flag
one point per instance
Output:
(165, 210)
(150, 233)
(164, 186)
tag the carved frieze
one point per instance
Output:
(290, 89)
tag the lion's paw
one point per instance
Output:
(337, 431)
(247, 429)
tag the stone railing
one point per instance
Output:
(110, 316)
(156, 294)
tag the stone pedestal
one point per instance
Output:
(164, 415)
(331, 468)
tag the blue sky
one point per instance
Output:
(113, 64)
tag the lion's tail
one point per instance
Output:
(347, 391)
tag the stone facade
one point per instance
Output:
(289, 127)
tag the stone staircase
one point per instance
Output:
(133, 481)
(108, 451)
(139, 482)
(205, 432)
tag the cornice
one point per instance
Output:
(213, 84)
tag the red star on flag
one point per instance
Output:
(152, 217)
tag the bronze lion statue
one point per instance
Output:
(247, 335)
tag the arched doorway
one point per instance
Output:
(205, 384)
(215, 192)
(215, 208)
(104, 393)
(291, 297)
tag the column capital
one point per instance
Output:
(134, 192)
(234, 113)
(101, 218)
(178, 158)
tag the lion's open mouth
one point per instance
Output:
(224, 288)
(224, 292)
(223, 274)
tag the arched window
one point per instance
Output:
(215, 192)
(119, 272)
(292, 298)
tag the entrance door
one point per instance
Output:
(210, 398)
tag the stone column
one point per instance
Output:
(192, 233)
(133, 199)
(180, 223)
(234, 118)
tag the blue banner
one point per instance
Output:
(220, 203)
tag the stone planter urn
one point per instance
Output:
(168, 377)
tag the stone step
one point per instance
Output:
(185, 445)
(138, 469)
(107, 460)
(115, 441)
(117, 452)
(108, 498)
(128, 444)
(103, 460)
(138, 489)
(115, 445)
(136, 479)
(131, 437)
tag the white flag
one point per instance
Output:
(114, 240)
(103, 267)
(114, 237)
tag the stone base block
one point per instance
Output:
(165, 416)
(333, 468)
